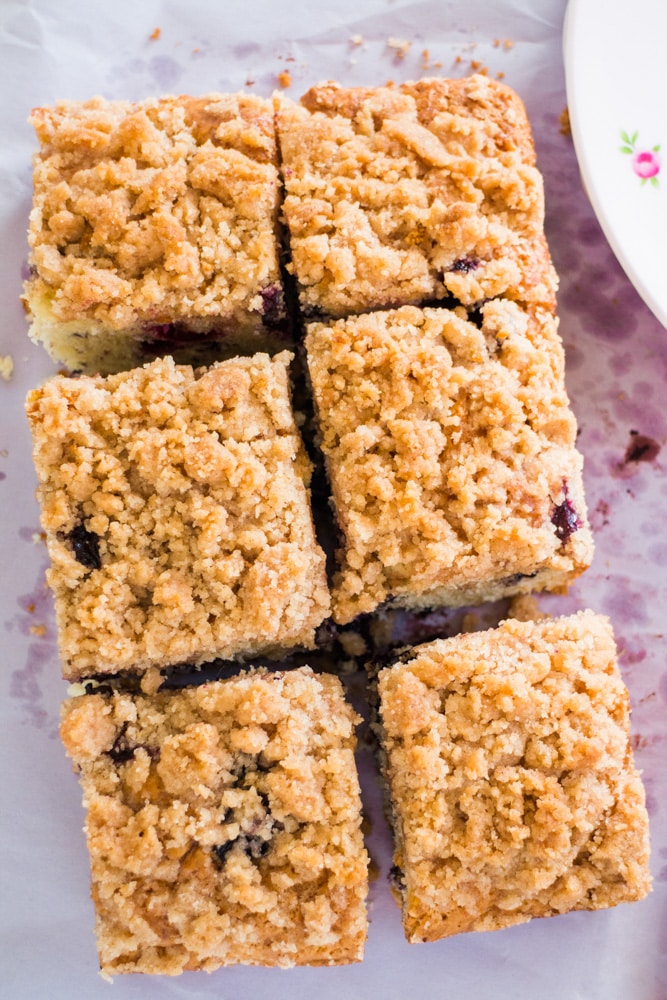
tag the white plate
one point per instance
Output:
(616, 75)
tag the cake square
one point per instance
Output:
(154, 230)
(404, 194)
(223, 823)
(176, 510)
(511, 777)
(450, 452)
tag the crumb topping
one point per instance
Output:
(153, 212)
(448, 447)
(177, 514)
(511, 775)
(388, 187)
(223, 823)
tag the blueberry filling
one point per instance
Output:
(172, 336)
(397, 879)
(86, 545)
(509, 581)
(273, 305)
(465, 264)
(124, 749)
(565, 518)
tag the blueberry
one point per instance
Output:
(465, 264)
(273, 306)
(397, 879)
(86, 545)
(565, 518)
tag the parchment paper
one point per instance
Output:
(616, 371)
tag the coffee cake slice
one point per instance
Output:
(450, 449)
(511, 777)
(405, 194)
(154, 231)
(176, 508)
(223, 823)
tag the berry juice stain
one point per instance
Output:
(641, 448)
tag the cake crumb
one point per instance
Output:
(6, 366)
(155, 34)
(285, 79)
(356, 40)
(565, 124)
(400, 46)
(525, 608)
(508, 44)
(39, 630)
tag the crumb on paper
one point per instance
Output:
(356, 40)
(249, 82)
(500, 75)
(426, 61)
(6, 366)
(39, 630)
(525, 608)
(285, 79)
(400, 46)
(38, 537)
(477, 67)
(565, 124)
(155, 34)
(30, 608)
(508, 44)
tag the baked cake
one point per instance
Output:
(223, 823)
(177, 515)
(450, 449)
(405, 194)
(511, 778)
(154, 231)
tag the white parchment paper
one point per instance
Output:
(616, 371)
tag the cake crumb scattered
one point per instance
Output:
(155, 34)
(6, 366)
(565, 124)
(400, 46)
(525, 608)
(285, 79)
(356, 40)
(39, 630)
(508, 44)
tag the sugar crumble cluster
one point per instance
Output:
(405, 227)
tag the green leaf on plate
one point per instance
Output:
(625, 137)
(656, 148)
(655, 182)
(634, 138)
(625, 149)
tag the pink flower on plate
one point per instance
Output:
(645, 162)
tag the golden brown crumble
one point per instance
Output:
(394, 195)
(223, 823)
(153, 213)
(449, 449)
(177, 514)
(511, 777)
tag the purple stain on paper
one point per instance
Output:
(34, 619)
(165, 71)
